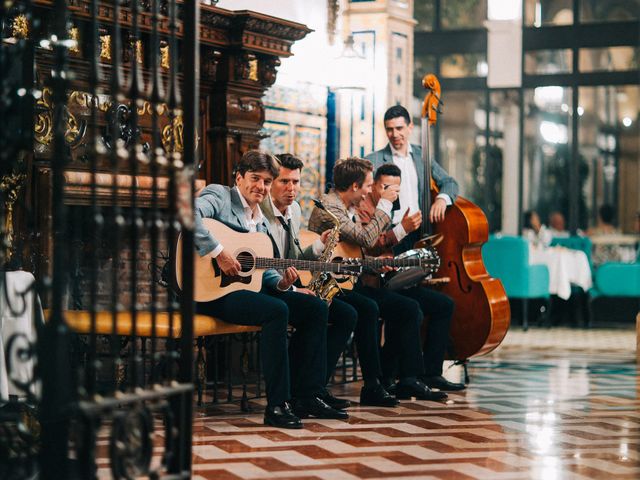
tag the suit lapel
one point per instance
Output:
(416, 154)
(237, 209)
(387, 156)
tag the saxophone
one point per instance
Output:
(322, 283)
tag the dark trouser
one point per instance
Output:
(250, 308)
(402, 319)
(308, 345)
(438, 307)
(343, 319)
(366, 335)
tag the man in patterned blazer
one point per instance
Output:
(353, 179)
(408, 158)
(239, 208)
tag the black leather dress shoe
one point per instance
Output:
(442, 383)
(417, 390)
(281, 416)
(376, 396)
(334, 402)
(314, 407)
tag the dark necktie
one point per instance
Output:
(287, 228)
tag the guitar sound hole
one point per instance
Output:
(246, 260)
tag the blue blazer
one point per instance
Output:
(223, 204)
(445, 183)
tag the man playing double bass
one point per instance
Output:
(437, 306)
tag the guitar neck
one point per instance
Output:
(377, 263)
(307, 265)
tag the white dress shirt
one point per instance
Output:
(251, 217)
(409, 188)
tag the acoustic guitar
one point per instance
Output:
(426, 260)
(254, 252)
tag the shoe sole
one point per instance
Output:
(411, 397)
(288, 427)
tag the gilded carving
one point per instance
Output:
(165, 56)
(74, 34)
(139, 52)
(253, 69)
(43, 127)
(10, 184)
(20, 27)
(172, 135)
(105, 47)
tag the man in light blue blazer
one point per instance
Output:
(437, 306)
(239, 208)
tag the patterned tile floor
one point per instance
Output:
(549, 404)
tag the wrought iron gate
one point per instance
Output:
(97, 159)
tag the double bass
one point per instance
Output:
(481, 315)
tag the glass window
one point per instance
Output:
(548, 61)
(461, 137)
(547, 151)
(464, 65)
(424, 11)
(538, 13)
(422, 65)
(609, 10)
(609, 59)
(609, 146)
(463, 13)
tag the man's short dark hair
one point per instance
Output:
(290, 161)
(258, 161)
(350, 170)
(390, 169)
(607, 213)
(397, 111)
(526, 217)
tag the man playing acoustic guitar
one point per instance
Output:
(239, 208)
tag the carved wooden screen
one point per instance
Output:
(99, 132)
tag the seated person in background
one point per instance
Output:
(534, 231)
(557, 225)
(603, 251)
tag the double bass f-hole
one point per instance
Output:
(450, 264)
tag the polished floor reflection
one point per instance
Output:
(549, 404)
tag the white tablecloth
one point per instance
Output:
(19, 312)
(566, 267)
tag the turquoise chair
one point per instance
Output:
(507, 258)
(614, 279)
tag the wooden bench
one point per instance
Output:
(166, 325)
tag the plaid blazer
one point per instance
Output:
(351, 230)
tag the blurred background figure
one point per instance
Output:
(605, 246)
(533, 230)
(557, 225)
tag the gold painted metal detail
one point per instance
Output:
(105, 47)
(20, 27)
(43, 127)
(165, 57)
(74, 34)
(253, 69)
